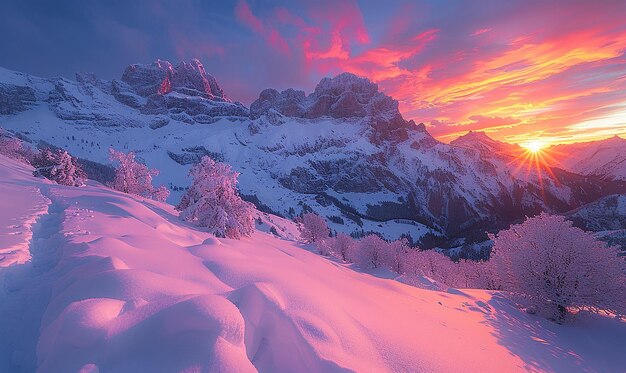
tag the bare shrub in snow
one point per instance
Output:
(135, 178)
(369, 251)
(212, 200)
(553, 267)
(58, 166)
(313, 228)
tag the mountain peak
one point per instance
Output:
(346, 82)
(479, 140)
(476, 135)
(473, 137)
(160, 77)
(343, 96)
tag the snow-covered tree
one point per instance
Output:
(475, 275)
(553, 267)
(325, 246)
(313, 228)
(15, 149)
(58, 166)
(135, 178)
(343, 247)
(160, 193)
(394, 255)
(212, 200)
(370, 251)
(431, 264)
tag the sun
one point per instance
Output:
(534, 146)
(537, 159)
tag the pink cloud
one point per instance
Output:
(481, 31)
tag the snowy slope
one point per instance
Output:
(487, 146)
(21, 205)
(119, 284)
(605, 158)
(606, 217)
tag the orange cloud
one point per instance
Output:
(526, 63)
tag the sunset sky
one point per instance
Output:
(520, 70)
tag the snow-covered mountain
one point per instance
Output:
(343, 151)
(606, 217)
(488, 147)
(605, 158)
(116, 283)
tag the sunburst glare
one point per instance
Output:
(534, 146)
(537, 159)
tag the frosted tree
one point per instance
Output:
(135, 178)
(313, 228)
(369, 251)
(15, 149)
(212, 200)
(431, 264)
(160, 193)
(394, 255)
(411, 263)
(475, 275)
(58, 166)
(325, 246)
(553, 267)
(343, 247)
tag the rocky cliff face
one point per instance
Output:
(15, 99)
(342, 97)
(184, 92)
(162, 78)
(158, 91)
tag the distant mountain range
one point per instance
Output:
(605, 158)
(343, 151)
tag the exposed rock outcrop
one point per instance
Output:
(161, 77)
(185, 92)
(15, 99)
(344, 96)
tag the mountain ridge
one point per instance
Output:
(344, 151)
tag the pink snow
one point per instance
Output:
(21, 204)
(132, 288)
